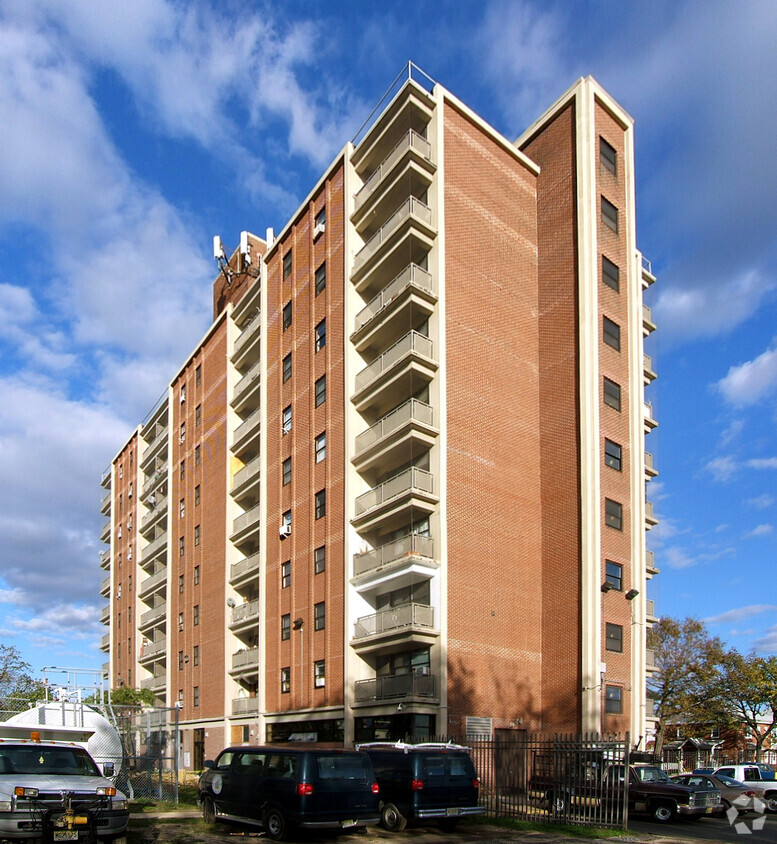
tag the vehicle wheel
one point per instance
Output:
(555, 803)
(770, 802)
(208, 812)
(663, 812)
(448, 824)
(391, 818)
(275, 824)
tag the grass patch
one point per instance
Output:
(565, 829)
(187, 802)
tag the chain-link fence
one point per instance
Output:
(141, 742)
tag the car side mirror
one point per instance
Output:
(109, 769)
(209, 763)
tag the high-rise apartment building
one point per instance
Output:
(399, 485)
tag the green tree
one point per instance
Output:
(687, 659)
(743, 696)
(127, 696)
(17, 685)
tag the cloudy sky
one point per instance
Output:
(131, 133)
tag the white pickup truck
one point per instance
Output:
(749, 774)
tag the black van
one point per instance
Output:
(279, 788)
(424, 781)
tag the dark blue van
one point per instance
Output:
(279, 788)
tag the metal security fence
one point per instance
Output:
(552, 779)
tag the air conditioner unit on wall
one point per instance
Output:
(285, 530)
(318, 230)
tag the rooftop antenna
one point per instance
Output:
(220, 256)
(244, 263)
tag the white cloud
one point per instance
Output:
(676, 557)
(740, 614)
(749, 382)
(760, 530)
(767, 644)
(762, 502)
(722, 468)
(763, 463)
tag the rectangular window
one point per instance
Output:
(321, 278)
(286, 419)
(320, 390)
(611, 333)
(196, 695)
(285, 680)
(614, 638)
(196, 534)
(182, 508)
(198, 416)
(183, 469)
(612, 455)
(321, 504)
(286, 574)
(197, 495)
(180, 584)
(183, 393)
(285, 627)
(198, 375)
(286, 522)
(321, 447)
(319, 560)
(197, 455)
(319, 226)
(287, 471)
(613, 699)
(609, 214)
(182, 435)
(287, 265)
(320, 334)
(607, 155)
(180, 622)
(287, 316)
(196, 655)
(180, 660)
(287, 368)
(181, 546)
(612, 394)
(614, 574)
(611, 274)
(613, 514)
(319, 616)
(196, 575)
(319, 674)
(196, 614)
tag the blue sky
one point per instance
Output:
(131, 133)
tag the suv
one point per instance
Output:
(52, 789)
(424, 781)
(279, 788)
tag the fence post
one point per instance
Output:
(176, 748)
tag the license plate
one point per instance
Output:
(346, 824)
(66, 835)
(452, 811)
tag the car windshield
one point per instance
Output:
(729, 781)
(652, 774)
(58, 761)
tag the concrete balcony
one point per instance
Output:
(647, 369)
(650, 422)
(393, 501)
(247, 432)
(156, 446)
(650, 564)
(157, 476)
(105, 587)
(105, 478)
(155, 684)
(647, 273)
(244, 616)
(105, 642)
(650, 661)
(408, 687)
(105, 533)
(650, 469)
(105, 559)
(647, 321)
(650, 519)
(156, 548)
(395, 557)
(246, 393)
(155, 617)
(408, 429)
(156, 583)
(405, 625)
(650, 612)
(407, 301)
(247, 343)
(245, 663)
(245, 570)
(244, 706)
(246, 481)
(247, 525)
(105, 504)
(152, 651)
(105, 614)
(155, 515)
(395, 375)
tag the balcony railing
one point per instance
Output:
(247, 333)
(412, 140)
(105, 503)
(409, 481)
(650, 659)
(413, 410)
(409, 615)
(154, 683)
(247, 426)
(393, 686)
(245, 612)
(250, 470)
(154, 547)
(150, 649)
(411, 342)
(650, 560)
(105, 586)
(410, 207)
(157, 510)
(411, 276)
(248, 380)
(245, 706)
(105, 642)
(105, 614)
(647, 365)
(246, 566)
(160, 611)
(650, 609)
(105, 559)
(154, 582)
(409, 546)
(649, 468)
(105, 533)
(649, 516)
(247, 519)
(245, 659)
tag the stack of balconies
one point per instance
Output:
(393, 271)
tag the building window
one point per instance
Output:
(287, 316)
(614, 638)
(287, 265)
(319, 226)
(319, 674)
(196, 695)
(196, 534)
(613, 699)
(319, 560)
(180, 696)
(196, 655)
(180, 584)
(181, 546)
(320, 335)
(129, 553)
(321, 447)
(180, 660)
(611, 274)
(321, 504)
(197, 495)
(613, 514)
(319, 616)
(609, 214)
(196, 575)
(196, 615)
(286, 523)
(286, 574)
(613, 573)
(611, 333)
(285, 627)
(321, 390)
(182, 507)
(197, 455)
(198, 375)
(321, 278)
(607, 155)
(180, 622)
(612, 394)
(285, 680)
(612, 455)
(182, 435)
(287, 368)
(287, 471)
(198, 416)
(286, 420)
(183, 469)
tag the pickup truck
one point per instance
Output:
(750, 773)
